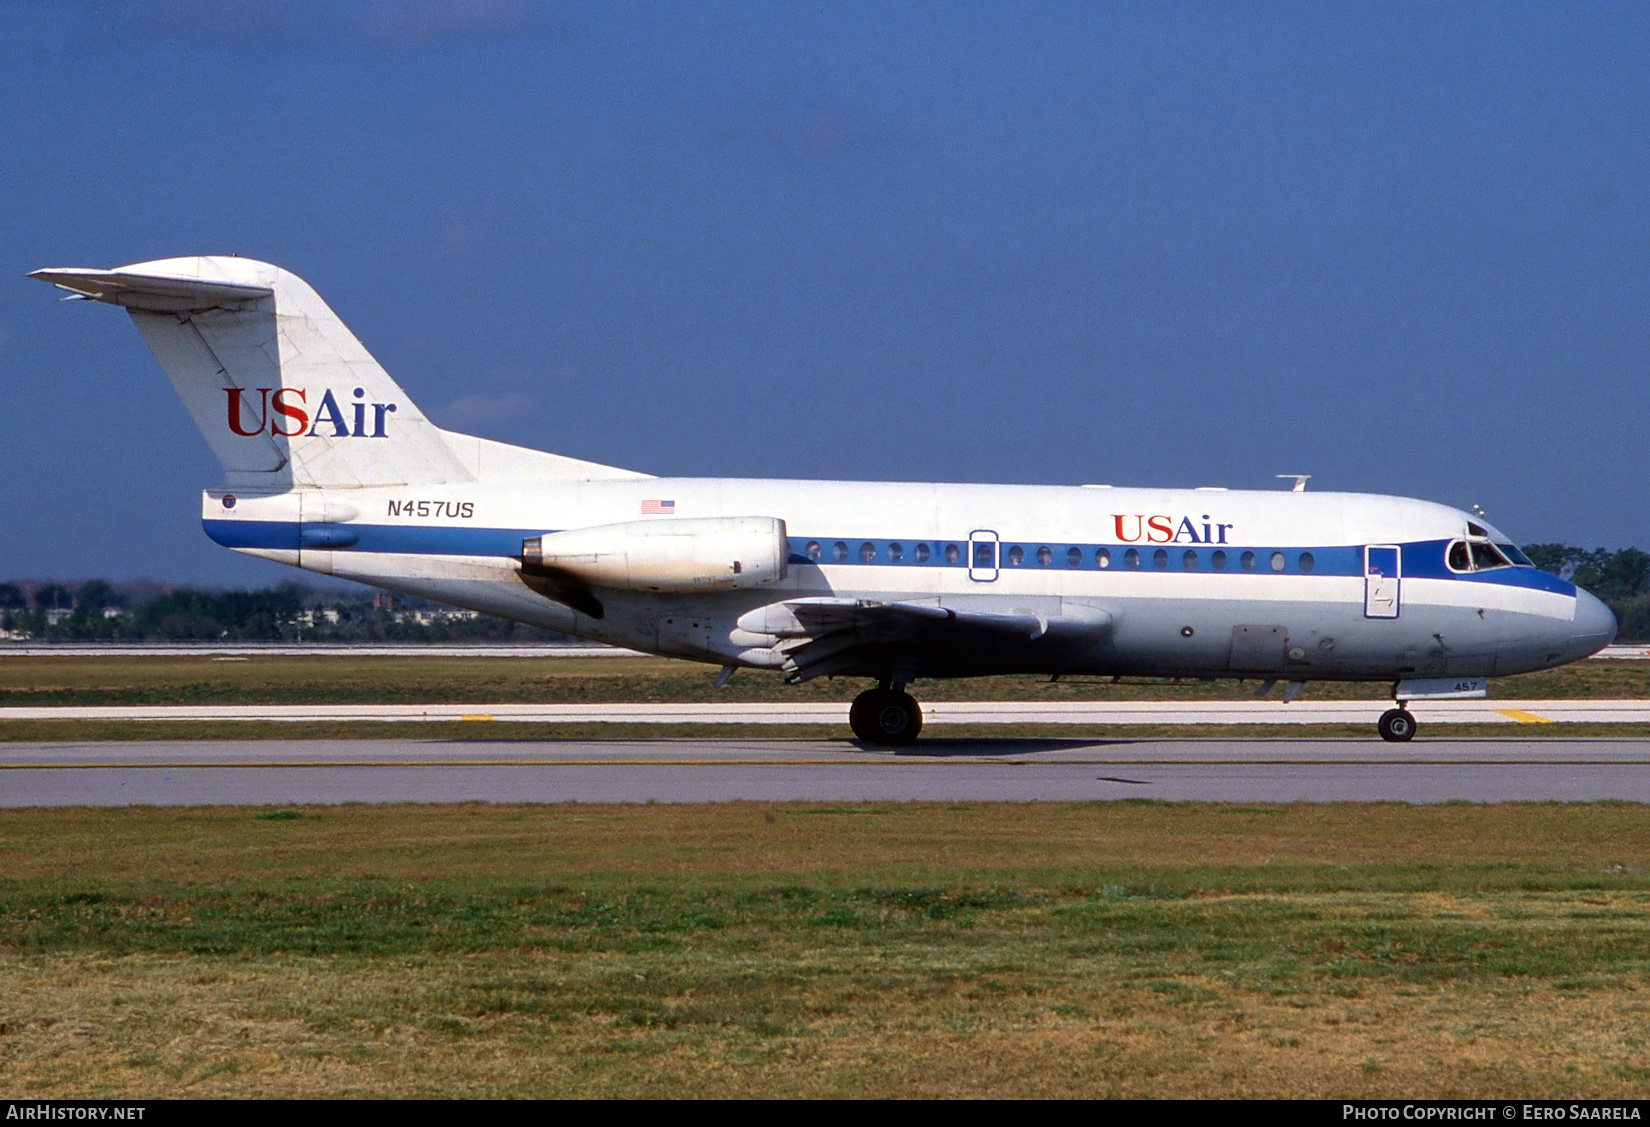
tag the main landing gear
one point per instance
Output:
(886, 715)
(1396, 725)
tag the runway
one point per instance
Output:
(935, 713)
(281, 772)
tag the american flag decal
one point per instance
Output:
(658, 508)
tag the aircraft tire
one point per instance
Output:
(1396, 725)
(885, 717)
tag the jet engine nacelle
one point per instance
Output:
(670, 554)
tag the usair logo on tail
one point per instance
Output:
(285, 413)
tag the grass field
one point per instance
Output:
(1128, 948)
(350, 679)
(1109, 949)
(77, 679)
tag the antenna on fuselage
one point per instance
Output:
(1482, 515)
(1300, 480)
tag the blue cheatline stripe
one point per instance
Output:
(391, 539)
(1421, 559)
(1425, 560)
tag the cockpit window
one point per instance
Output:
(1476, 555)
(1477, 530)
(1512, 553)
(1485, 557)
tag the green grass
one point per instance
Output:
(75, 679)
(807, 950)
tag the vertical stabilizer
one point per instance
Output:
(282, 391)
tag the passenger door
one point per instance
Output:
(1381, 581)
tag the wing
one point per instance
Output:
(825, 636)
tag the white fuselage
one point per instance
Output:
(1195, 582)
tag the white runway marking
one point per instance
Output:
(318, 649)
(935, 713)
(1623, 652)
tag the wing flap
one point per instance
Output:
(825, 636)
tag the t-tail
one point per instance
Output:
(284, 394)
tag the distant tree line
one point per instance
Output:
(96, 611)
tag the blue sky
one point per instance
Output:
(1405, 248)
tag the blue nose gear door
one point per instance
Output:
(1381, 580)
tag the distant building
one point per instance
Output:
(431, 617)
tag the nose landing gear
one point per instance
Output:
(886, 715)
(1396, 725)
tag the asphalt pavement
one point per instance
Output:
(280, 772)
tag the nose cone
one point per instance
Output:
(1594, 628)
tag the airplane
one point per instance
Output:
(330, 467)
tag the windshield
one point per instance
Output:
(1499, 552)
(1485, 557)
(1482, 555)
(1504, 544)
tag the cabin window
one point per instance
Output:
(1160, 558)
(1485, 557)
(867, 552)
(1307, 561)
(1102, 557)
(1248, 561)
(1457, 557)
(895, 552)
(1044, 556)
(1217, 560)
(839, 551)
(985, 553)
(921, 553)
(1074, 557)
(1277, 561)
(1016, 556)
(812, 549)
(1189, 560)
(1131, 558)
(954, 553)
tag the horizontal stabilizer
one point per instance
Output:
(159, 293)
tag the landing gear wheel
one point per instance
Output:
(1396, 725)
(885, 717)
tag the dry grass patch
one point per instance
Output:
(80, 679)
(1126, 948)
